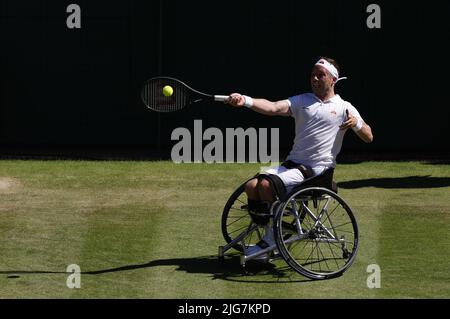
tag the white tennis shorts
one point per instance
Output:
(291, 177)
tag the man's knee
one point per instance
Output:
(264, 185)
(251, 186)
(265, 190)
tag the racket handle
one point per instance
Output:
(221, 98)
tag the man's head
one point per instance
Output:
(324, 75)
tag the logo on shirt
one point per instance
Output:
(333, 112)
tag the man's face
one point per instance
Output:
(321, 80)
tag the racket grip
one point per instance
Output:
(221, 98)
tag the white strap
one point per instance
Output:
(358, 125)
(248, 101)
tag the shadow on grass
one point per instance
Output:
(230, 269)
(398, 182)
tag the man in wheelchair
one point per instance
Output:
(321, 120)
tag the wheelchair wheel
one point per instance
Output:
(324, 242)
(236, 219)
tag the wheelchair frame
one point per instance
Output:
(295, 224)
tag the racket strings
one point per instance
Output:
(153, 97)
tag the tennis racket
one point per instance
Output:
(153, 97)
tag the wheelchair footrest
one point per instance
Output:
(262, 255)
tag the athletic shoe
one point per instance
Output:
(266, 241)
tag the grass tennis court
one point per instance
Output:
(151, 230)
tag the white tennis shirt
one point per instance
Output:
(318, 139)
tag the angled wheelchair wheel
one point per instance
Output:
(316, 233)
(236, 220)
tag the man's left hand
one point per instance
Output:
(349, 123)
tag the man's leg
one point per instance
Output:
(265, 191)
(259, 189)
(261, 196)
(260, 199)
(251, 189)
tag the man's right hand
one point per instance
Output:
(236, 100)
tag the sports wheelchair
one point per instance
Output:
(314, 229)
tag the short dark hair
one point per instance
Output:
(332, 61)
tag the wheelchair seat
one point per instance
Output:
(325, 180)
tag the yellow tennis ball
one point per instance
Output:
(167, 90)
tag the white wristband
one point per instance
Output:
(248, 101)
(358, 125)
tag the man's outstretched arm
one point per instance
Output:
(262, 106)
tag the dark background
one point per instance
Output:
(79, 88)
